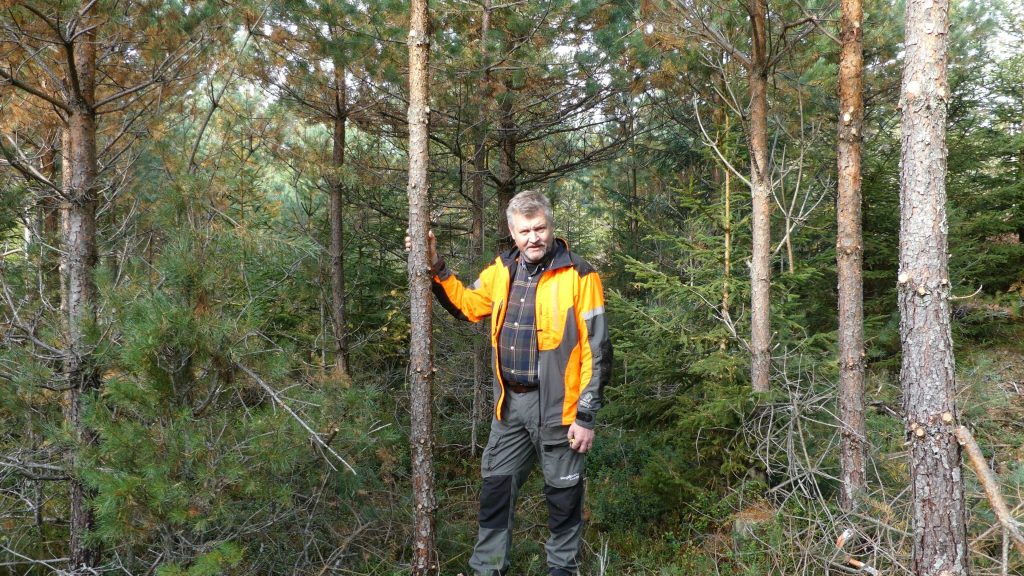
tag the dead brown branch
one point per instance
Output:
(991, 486)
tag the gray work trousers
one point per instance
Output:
(515, 443)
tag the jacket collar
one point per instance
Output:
(560, 259)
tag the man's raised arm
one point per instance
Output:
(472, 304)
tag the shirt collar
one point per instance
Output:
(538, 266)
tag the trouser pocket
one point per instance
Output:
(563, 467)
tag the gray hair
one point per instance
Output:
(529, 203)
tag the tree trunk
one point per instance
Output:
(633, 201)
(727, 231)
(849, 255)
(726, 220)
(337, 215)
(507, 178)
(480, 366)
(940, 542)
(78, 261)
(790, 264)
(760, 267)
(47, 229)
(421, 364)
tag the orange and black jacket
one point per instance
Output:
(575, 353)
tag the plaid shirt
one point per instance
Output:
(517, 343)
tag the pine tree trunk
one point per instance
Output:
(507, 178)
(724, 176)
(49, 260)
(760, 265)
(937, 491)
(480, 367)
(727, 232)
(78, 261)
(337, 215)
(633, 201)
(849, 255)
(421, 364)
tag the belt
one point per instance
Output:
(519, 388)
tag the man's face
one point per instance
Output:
(533, 235)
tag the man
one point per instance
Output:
(551, 360)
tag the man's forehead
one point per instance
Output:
(529, 220)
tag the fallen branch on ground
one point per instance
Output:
(990, 485)
(312, 433)
(850, 560)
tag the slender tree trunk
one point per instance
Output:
(790, 264)
(480, 367)
(421, 364)
(849, 255)
(723, 175)
(728, 240)
(78, 261)
(633, 204)
(49, 232)
(760, 265)
(940, 541)
(507, 178)
(337, 216)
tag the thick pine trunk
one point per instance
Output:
(78, 261)
(507, 178)
(937, 491)
(849, 255)
(421, 364)
(760, 261)
(337, 215)
(480, 367)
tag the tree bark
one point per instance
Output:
(337, 216)
(78, 261)
(480, 367)
(633, 200)
(49, 229)
(726, 224)
(760, 265)
(507, 178)
(421, 364)
(927, 377)
(849, 254)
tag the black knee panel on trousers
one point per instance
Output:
(495, 501)
(565, 506)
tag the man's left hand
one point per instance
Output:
(580, 439)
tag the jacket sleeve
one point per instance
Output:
(472, 303)
(596, 356)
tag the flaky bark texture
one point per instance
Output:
(78, 261)
(760, 264)
(337, 215)
(940, 543)
(849, 254)
(421, 364)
